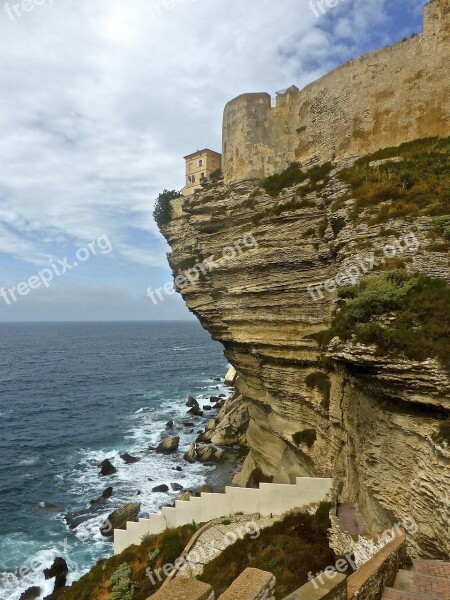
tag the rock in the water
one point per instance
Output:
(217, 378)
(59, 570)
(161, 488)
(31, 593)
(222, 396)
(107, 493)
(204, 437)
(191, 402)
(107, 468)
(214, 399)
(128, 459)
(168, 445)
(230, 377)
(195, 412)
(190, 454)
(207, 407)
(176, 487)
(189, 424)
(178, 469)
(170, 424)
(204, 489)
(118, 519)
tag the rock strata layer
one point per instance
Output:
(366, 420)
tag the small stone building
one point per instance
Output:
(200, 165)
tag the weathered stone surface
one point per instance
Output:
(190, 454)
(32, 593)
(118, 519)
(252, 584)
(168, 445)
(374, 426)
(161, 488)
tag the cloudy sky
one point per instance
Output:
(100, 100)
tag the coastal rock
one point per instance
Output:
(107, 493)
(207, 453)
(207, 407)
(176, 487)
(59, 571)
(32, 593)
(195, 412)
(204, 489)
(161, 488)
(107, 468)
(118, 519)
(128, 459)
(190, 454)
(185, 496)
(191, 402)
(168, 445)
(169, 425)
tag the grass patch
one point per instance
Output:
(126, 572)
(289, 549)
(420, 306)
(418, 185)
(294, 175)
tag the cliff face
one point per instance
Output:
(366, 420)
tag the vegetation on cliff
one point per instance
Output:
(400, 313)
(126, 573)
(163, 210)
(294, 175)
(416, 184)
(289, 549)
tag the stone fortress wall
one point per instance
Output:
(384, 98)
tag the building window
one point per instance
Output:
(201, 162)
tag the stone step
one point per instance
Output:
(394, 594)
(412, 581)
(435, 568)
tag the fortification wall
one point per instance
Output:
(381, 99)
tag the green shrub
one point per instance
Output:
(307, 436)
(122, 587)
(420, 306)
(162, 212)
(226, 522)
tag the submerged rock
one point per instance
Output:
(128, 459)
(107, 468)
(168, 445)
(118, 519)
(176, 487)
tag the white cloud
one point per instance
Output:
(102, 98)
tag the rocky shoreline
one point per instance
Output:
(215, 441)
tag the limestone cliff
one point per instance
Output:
(363, 418)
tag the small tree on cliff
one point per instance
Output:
(163, 211)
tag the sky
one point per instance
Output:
(99, 102)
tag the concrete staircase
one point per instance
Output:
(427, 580)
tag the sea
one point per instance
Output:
(74, 394)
